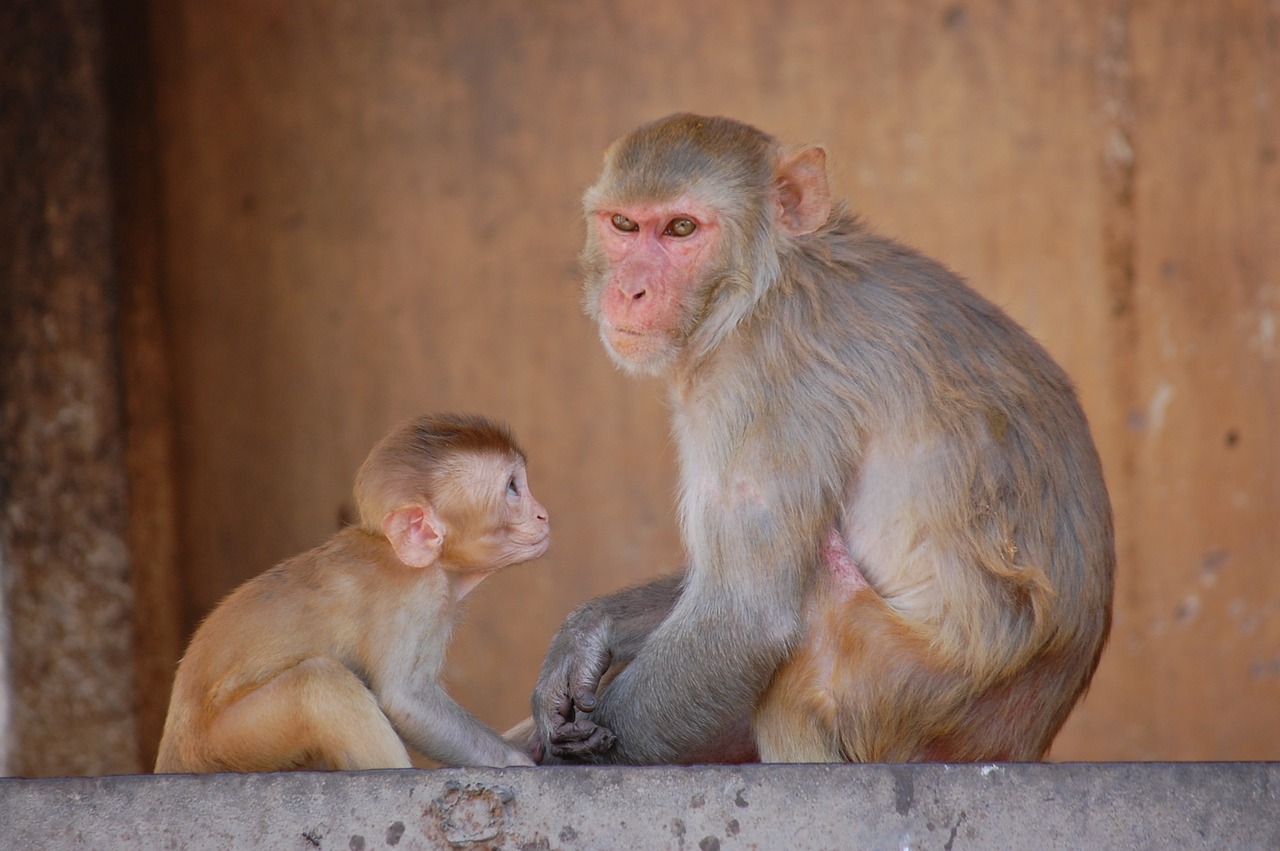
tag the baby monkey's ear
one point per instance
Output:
(416, 533)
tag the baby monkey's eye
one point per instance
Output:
(512, 488)
(622, 223)
(680, 226)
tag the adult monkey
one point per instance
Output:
(899, 542)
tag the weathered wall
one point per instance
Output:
(1195, 668)
(371, 211)
(66, 601)
(328, 216)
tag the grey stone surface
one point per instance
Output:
(954, 807)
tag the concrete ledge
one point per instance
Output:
(952, 807)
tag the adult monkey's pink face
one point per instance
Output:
(659, 258)
(669, 225)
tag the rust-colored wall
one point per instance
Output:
(370, 210)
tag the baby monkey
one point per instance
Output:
(332, 658)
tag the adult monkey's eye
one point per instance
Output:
(622, 223)
(680, 227)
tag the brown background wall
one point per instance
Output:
(371, 210)
(359, 211)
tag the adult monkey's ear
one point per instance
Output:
(416, 533)
(804, 198)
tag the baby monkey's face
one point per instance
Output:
(498, 522)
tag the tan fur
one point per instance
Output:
(827, 380)
(332, 658)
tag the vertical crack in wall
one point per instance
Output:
(1119, 161)
(1119, 165)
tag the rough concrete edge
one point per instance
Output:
(1070, 805)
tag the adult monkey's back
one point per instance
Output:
(899, 541)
